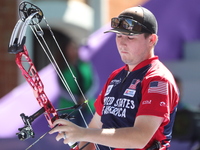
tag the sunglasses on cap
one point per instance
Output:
(129, 24)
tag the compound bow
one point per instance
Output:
(31, 15)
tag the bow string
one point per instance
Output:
(31, 15)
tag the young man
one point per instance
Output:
(137, 106)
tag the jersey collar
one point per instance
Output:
(143, 63)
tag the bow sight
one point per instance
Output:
(27, 131)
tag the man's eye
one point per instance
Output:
(119, 35)
(130, 37)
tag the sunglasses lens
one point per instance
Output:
(115, 22)
(128, 24)
(129, 21)
(125, 25)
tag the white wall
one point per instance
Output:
(188, 70)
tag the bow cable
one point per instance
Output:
(56, 67)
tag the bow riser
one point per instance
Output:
(32, 77)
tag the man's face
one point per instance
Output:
(133, 49)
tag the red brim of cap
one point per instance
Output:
(122, 31)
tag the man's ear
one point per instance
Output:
(153, 39)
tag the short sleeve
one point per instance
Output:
(155, 99)
(99, 104)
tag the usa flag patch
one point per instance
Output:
(134, 84)
(159, 87)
